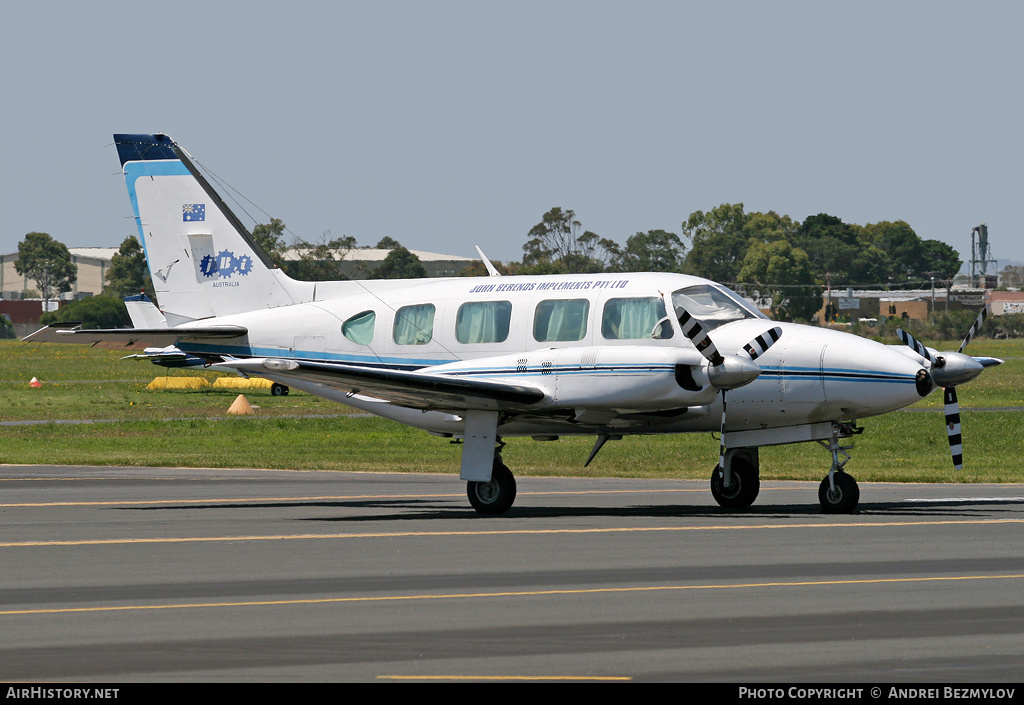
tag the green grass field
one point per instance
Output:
(130, 425)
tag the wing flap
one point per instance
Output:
(130, 338)
(416, 390)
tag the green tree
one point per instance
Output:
(345, 242)
(830, 244)
(557, 246)
(104, 311)
(653, 251)
(270, 237)
(903, 248)
(129, 273)
(399, 264)
(769, 226)
(783, 272)
(718, 242)
(387, 243)
(319, 261)
(939, 260)
(48, 262)
(1012, 276)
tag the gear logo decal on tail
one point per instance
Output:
(192, 212)
(225, 265)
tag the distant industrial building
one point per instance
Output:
(93, 265)
(915, 304)
(359, 262)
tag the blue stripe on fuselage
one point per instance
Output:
(845, 375)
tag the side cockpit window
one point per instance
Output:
(635, 319)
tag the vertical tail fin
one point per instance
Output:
(202, 259)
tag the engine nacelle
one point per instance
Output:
(625, 378)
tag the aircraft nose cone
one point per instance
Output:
(734, 371)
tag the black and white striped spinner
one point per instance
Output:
(956, 441)
(756, 347)
(913, 343)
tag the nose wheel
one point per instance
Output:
(838, 492)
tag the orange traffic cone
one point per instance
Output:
(240, 406)
(35, 383)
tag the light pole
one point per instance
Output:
(933, 299)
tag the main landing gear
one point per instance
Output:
(838, 492)
(495, 496)
(740, 488)
(737, 485)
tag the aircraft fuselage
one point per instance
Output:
(609, 374)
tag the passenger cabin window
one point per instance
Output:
(359, 328)
(483, 322)
(713, 306)
(632, 319)
(414, 325)
(561, 320)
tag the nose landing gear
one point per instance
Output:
(838, 492)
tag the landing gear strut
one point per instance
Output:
(838, 492)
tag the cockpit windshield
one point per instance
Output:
(713, 305)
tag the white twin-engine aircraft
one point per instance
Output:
(482, 359)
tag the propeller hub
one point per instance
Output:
(957, 369)
(732, 372)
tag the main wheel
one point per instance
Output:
(496, 496)
(278, 390)
(744, 488)
(843, 499)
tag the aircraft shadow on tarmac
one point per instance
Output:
(412, 509)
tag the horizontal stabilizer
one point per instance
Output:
(416, 390)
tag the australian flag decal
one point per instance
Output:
(191, 212)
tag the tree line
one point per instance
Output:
(784, 262)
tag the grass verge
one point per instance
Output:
(139, 427)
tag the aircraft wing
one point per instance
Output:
(416, 390)
(129, 338)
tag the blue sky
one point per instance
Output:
(450, 124)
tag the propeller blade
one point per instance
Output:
(950, 369)
(721, 439)
(755, 348)
(956, 443)
(693, 330)
(759, 345)
(913, 343)
(974, 329)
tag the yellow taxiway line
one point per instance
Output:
(508, 594)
